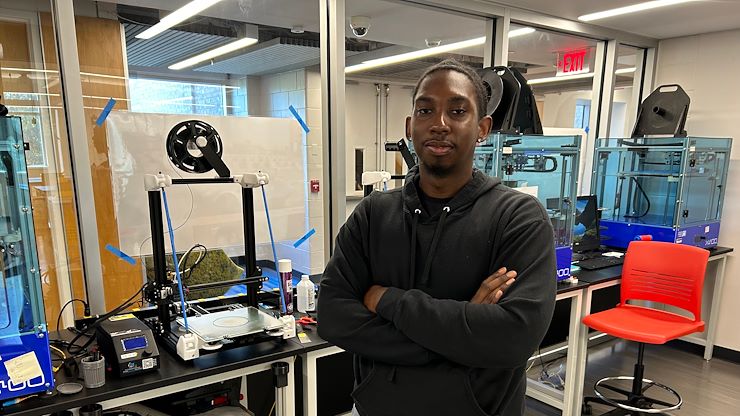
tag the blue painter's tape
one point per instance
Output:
(123, 256)
(304, 238)
(104, 114)
(298, 117)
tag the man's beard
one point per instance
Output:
(438, 171)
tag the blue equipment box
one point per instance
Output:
(619, 234)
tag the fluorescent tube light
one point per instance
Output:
(630, 9)
(521, 32)
(423, 53)
(410, 56)
(547, 80)
(178, 16)
(625, 70)
(221, 50)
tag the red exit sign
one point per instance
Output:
(573, 62)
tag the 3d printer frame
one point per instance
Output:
(161, 292)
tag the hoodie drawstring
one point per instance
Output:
(414, 223)
(433, 246)
(391, 374)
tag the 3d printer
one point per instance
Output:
(543, 166)
(25, 362)
(188, 328)
(661, 184)
(524, 159)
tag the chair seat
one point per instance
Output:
(641, 324)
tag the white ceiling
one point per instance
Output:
(407, 25)
(685, 19)
(397, 23)
(391, 22)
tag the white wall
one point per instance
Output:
(361, 123)
(707, 67)
(271, 96)
(559, 109)
(315, 169)
(362, 120)
(208, 214)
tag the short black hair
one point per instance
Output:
(455, 65)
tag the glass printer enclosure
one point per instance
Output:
(667, 188)
(23, 335)
(543, 166)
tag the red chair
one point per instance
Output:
(667, 273)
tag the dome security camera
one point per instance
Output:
(432, 42)
(360, 25)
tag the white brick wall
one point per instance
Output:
(271, 96)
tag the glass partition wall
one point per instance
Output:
(247, 73)
(253, 71)
(384, 58)
(30, 88)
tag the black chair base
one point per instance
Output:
(631, 404)
(634, 401)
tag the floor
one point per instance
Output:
(707, 387)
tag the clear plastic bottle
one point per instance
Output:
(306, 295)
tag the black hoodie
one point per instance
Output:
(428, 350)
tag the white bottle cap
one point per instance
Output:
(285, 266)
(304, 276)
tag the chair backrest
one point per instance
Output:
(668, 273)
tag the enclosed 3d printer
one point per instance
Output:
(661, 184)
(543, 166)
(25, 362)
(661, 188)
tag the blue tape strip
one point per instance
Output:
(103, 115)
(298, 117)
(123, 256)
(304, 238)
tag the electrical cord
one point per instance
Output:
(86, 311)
(60, 353)
(542, 363)
(184, 260)
(84, 332)
(647, 200)
(530, 366)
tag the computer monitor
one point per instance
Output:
(552, 203)
(586, 227)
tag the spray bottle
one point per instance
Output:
(285, 269)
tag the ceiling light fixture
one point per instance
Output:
(625, 70)
(521, 32)
(423, 53)
(547, 80)
(178, 16)
(221, 50)
(630, 9)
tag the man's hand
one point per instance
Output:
(491, 290)
(372, 297)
